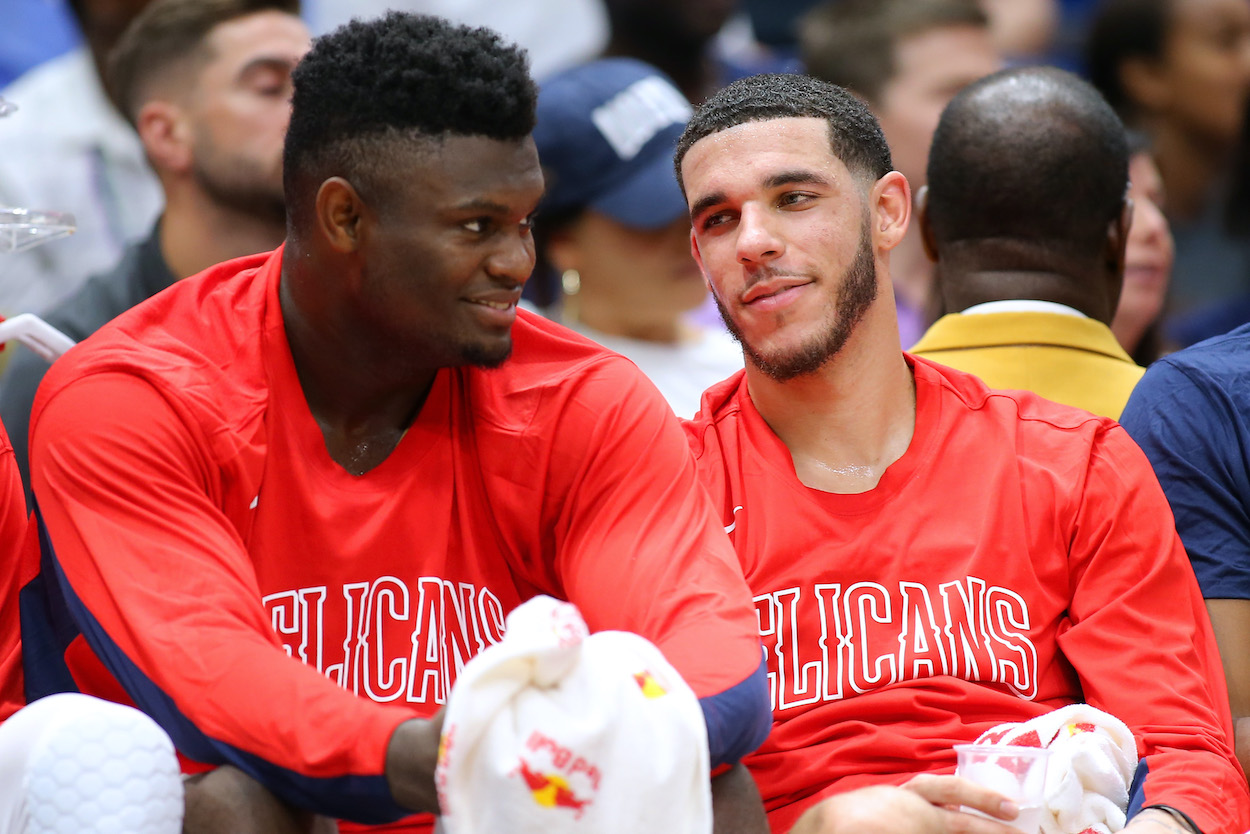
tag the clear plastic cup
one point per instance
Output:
(1018, 773)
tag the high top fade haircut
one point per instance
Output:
(1032, 157)
(372, 86)
(169, 37)
(852, 43)
(854, 135)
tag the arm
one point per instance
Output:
(161, 586)
(1196, 442)
(1230, 619)
(639, 549)
(928, 804)
(1141, 643)
(736, 804)
(13, 530)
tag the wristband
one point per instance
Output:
(1177, 814)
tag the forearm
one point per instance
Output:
(736, 804)
(1156, 821)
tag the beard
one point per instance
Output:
(239, 184)
(856, 294)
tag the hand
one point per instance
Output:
(411, 757)
(928, 804)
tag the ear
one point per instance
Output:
(927, 239)
(340, 213)
(1143, 80)
(165, 130)
(889, 210)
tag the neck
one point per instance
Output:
(1189, 166)
(847, 422)
(363, 397)
(627, 321)
(196, 233)
(965, 284)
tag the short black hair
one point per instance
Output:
(852, 43)
(398, 78)
(854, 135)
(168, 33)
(1032, 156)
(1121, 30)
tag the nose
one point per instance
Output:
(1149, 224)
(758, 240)
(513, 260)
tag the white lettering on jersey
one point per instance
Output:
(400, 641)
(733, 524)
(881, 635)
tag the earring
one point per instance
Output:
(571, 283)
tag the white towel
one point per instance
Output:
(553, 730)
(1091, 766)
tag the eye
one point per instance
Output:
(711, 221)
(794, 198)
(477, 225)
(528, 223)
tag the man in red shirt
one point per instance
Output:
(287, 500)
(929, 558)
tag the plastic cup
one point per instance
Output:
(1018, 773)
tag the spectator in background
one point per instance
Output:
(1179, 70)
(613, 233)
(69, 149)
(1137, 324)
(1023, 31)
(555, 33)
(207, 85)
(1191, 416)
(679, 38)
(1032, 261)
(906, 60)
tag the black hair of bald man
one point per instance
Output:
(854, 135)
(372, 88)
(1034, 157)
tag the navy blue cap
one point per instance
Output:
(606, 133)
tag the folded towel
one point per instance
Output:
(1091, 766)
(554, 730)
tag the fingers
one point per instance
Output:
(959, 822)
(953, 791)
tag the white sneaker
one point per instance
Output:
(72, 764)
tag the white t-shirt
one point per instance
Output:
(683, 371)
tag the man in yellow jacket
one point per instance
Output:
(1026, 217)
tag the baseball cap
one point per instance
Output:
(606, 133)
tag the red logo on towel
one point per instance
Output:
(554, 788)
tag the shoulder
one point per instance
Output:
(555, 372)
(197, 342)
(1029, 425)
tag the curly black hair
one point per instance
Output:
(1035, 156)
(854, 135)
(400, 77)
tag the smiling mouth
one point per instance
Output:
(495, 305)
